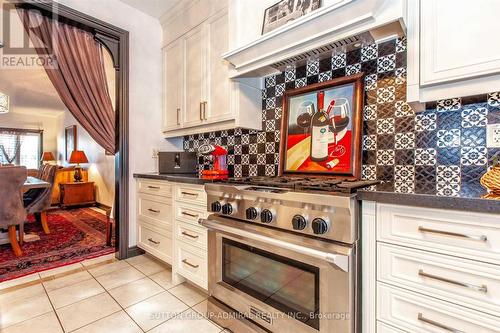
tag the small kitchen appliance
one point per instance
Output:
(216, 156)
(173, 162)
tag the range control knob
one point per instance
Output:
(215, 206)
(227, 209)
(266, 216)
(299, 222)
(251, 213)
(319, 226)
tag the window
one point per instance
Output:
(20, 147)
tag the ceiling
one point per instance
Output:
(154, 8)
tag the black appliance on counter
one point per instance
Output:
(173, 162)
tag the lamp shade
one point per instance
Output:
(48, 156)
(78, 156)
(4, 103)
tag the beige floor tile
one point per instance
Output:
(119, 277)
(46, 323)
(188, 294)
(87, 311)
(118, 322)
(15, 282)
(74, 293)
(147, 264)
(156, 310)
(108, 268)
(66, 280)
(136, 291)
(23, 308)
(93, 261)
(163, 278)
(9, 296)
(61, 270)
(188, 321)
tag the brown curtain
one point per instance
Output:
(79, 76)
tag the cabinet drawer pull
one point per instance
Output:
(191, 194)
(436, 324)
(189, 264)
(189, 235)
(481, 238)
(154, 187)
(178, 112)
(205, 110)
(153, 241)
(153, 210)
(482, 288)
(201, 110)
(189, 214)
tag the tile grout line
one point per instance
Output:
(53, 308)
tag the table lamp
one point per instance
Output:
(77, 157)
(47, 156)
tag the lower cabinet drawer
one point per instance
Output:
(384, 328)
(191, 234)
(189, 213)
(191, 263)
(469, 283)
(157, 210)
(155, 241)
(412, 312)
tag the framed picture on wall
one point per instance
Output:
(70, 140)
(285, 11)
(321, 128)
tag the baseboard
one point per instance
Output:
(134, 251)
(103, 206)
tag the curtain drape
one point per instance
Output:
(79, 76)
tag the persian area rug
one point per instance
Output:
(75, 235)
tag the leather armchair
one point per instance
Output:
(38, 201)
(12, 212)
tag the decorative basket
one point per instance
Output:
(491, 180)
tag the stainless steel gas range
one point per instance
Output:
(283, 258)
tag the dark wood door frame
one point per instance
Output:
(116, 40)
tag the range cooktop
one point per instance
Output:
(306, 183)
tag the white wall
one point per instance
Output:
(34, 121)
(144, 82)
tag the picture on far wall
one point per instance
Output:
(321, 128)
(70, 139)
(286, 11)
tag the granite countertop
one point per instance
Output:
(471, 198)
(178, 178)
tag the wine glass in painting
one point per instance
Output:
(305, 112)
(339, 118)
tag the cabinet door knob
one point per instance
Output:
(153, 241)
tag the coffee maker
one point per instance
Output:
(216, 155)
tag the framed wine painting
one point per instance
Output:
(321, 128)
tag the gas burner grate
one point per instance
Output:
(306, 183)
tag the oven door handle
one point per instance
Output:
(339, 260)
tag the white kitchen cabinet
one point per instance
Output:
(450, 50)
(205, 98)
(173, 82)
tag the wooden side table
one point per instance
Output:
(77, 194)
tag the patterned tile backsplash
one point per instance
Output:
(432, 152)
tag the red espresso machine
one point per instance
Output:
(216, 155)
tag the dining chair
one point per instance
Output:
(38, 201)
(12, 212)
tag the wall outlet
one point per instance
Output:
(493, 136)
(154, 153)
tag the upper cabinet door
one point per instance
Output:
(172, 85)
(217, 106)
(457, 39)
(194, 76)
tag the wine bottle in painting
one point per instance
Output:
(319, 131)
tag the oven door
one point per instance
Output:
(282, 281)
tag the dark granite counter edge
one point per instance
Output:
(478, 205)
(178, 178)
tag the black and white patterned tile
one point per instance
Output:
(431, 152)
